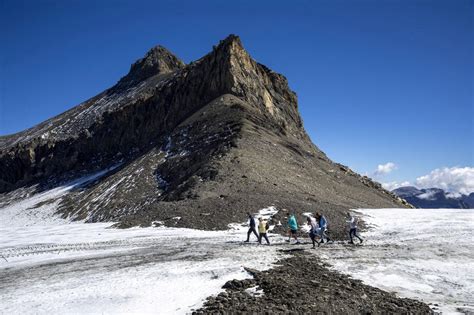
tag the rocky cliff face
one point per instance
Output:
(204, 142)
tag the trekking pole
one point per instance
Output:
(4, 258)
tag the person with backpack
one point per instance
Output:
(313, 232)
(263, 227)
(252, 228)
(292, 228)
(353, 228)
(323, 226)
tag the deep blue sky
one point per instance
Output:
(378, 81)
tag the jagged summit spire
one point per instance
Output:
(232, 41)
(231, 45)
(157, 60)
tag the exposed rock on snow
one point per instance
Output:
(301, 285)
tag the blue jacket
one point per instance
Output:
(323, 222)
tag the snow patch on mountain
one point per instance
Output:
(40, 208)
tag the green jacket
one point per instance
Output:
(292, 222)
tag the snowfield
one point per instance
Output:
(426, 254)
(90, 268)
(51, 266)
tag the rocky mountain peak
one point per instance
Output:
(230, 45)
(157, 95)
(157, 60)
(212, 139)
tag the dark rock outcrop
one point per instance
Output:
(303, 285)
(220, 136)
(157, 61)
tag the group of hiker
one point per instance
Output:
(318, 228)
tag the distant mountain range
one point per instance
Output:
(434, 198)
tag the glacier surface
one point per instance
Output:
(426, 254)
(51, 266)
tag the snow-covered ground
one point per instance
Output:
(427, 254)
(90, 268)
(51, 266)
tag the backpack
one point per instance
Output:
(323, 222)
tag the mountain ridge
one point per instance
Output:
(434, 198)
(228, 60)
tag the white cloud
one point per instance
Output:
(386, 168)
(394, 185)
(456, 180)
(453, 195)
(427, 195)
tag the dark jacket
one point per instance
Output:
(252, 222)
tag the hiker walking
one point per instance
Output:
(313, 232)
(323, 226)
(252, 228)
(292, 227)
(263, 227)
(352, 228)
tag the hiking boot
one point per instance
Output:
(361, 241)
